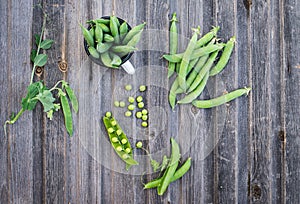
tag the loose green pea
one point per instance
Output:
(144, 117)
(117, 103)
(113, 123)
(119, 148)
(122, 104)
(124, 141)
(139, 144)
(142, 88)
(138, 114)
(139, 99)
(108, 114)
(141, 104)
(130, 99)
(128, 113)
(144, 112)
(125, 156)
(131, 107)
(114, 139)
(127, 150)
(128, 87)
(110, 130)
(119, 132)
(144, 124)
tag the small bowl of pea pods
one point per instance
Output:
(110, 41)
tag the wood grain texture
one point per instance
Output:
(243, 152)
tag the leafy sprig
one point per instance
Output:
(38, 91)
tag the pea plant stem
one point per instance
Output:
(13, 120)
(54, 87)
(38, 48)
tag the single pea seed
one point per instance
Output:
(122, 104)
(128, 113)
(139, 144)
(130, 99)
(144, 124)
(128, 150)
(114, 139)
(113, 123)
(119, 148)
(144, 117)
(110, 130)
(138, 114)
(108, 114)
(131, 107)
(124, 141)
(141, 104)
(128, 87)
(139, 99)
(144, 112)
(119, 132)
(125, 156)
(142, 88)
(117, 103)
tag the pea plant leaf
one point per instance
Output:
(154, 164)
(46, 44)
(37, 39)
(29, 102)
(47, 99)
(33, 55)
(40, 60)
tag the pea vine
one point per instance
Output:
(38, 91)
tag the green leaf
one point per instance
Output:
(154, 164)
(46, 44)
(28, 103)
(72, 98)
(33, 55)
(40, 60)
(37, 39)
(47, 99)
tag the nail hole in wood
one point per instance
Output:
(194, 110)
(39, 71)
(256, 191)
(281, 135)
(63, 66)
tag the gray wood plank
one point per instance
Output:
(292, 99)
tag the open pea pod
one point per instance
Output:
(119, 141)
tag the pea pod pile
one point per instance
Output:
(119, 140)
(195, 65)
(111, 40)
(171, 173)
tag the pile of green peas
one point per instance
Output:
(136, 106)
(195, 65)
(111, 39)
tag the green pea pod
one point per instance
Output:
(93, 52)
(67, 113)
(87, 36)
(224, 58)
(123, 49)
(133, 32)
(98, 33)
(116, 60)
(123, 29)
(135, 39)
(172, 93)
(207, 37)
(196, 53)
(185, 61)
(221, 99)
(177, 175)
(173, 43)
(108, 38)
(114, 29)
(203, 71)
(103, 21)
(195, 93)
(103, 47)
(106, 60)
(72, 98)
(104, 27)
(117, 132)
(168, 174)
(92, 31)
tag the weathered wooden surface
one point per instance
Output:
(246, 152)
